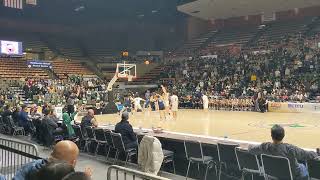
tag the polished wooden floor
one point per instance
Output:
(302, 129)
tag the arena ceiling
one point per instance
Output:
(98, 11)
(223, 9)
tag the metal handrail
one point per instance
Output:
(131, 173)
(20, 145)
(14, 155)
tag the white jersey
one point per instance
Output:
(205, 101)
(137, 101)
(174, 102)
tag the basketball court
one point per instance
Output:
(302, 129)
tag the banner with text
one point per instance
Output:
(294, 107)
(39, 64)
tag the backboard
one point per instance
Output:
(125, 70)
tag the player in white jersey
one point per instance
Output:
(205, 102)
(137, 103)
(174, 102)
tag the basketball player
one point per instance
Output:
(127, 103)
(174, 105)
(205, 102)
(165, 97)
(137, 103)
(161, 107)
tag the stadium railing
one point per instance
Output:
(15, 154)
(119, 173)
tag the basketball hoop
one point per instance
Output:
(126, 71)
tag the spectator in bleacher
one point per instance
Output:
(53, 114)
(26, 89)
(45, 106)
(63, 151)
(54, 170)
(125, 129)
(16, 114)
(77, 176)
(71, 102)
(7, 111)
(279, 148)
(2, 101)
(24, 119)
(34, 114)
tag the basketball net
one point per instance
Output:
(130, 78)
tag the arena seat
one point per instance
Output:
(66, 47)
(313, 168)
(194, 154)
(16, 68)
(276, 166)
(196, 43)
(62, 68)
(277, 31)
(247, 163)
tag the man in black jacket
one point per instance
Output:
(293, 153)
(7, 111)
(51, 126)
(125, 129)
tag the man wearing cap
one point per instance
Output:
(125, 129)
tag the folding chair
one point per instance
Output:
(14, 129)
(276, 167)
(314, 169)
(247, 163)
(80, 136)
(120, 147)
(227, 155)
(194, 154)
(91, 137)
(108, 136)
(101, 139)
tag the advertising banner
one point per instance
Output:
(39, 64)
(293, 107)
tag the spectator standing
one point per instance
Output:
(71, 102)
(67, 120)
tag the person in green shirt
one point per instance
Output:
(67, 119)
